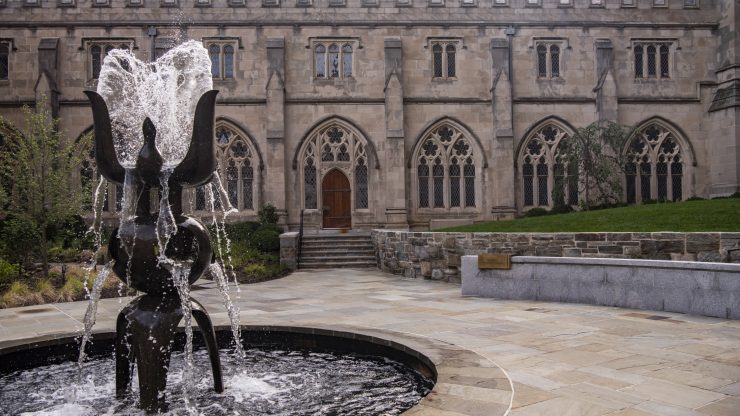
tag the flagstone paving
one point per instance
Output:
(563, 359)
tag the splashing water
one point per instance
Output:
(166, 91)
(92, 308)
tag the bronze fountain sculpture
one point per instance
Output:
(146, 328)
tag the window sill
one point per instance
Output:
(556, 80)
(442, 80)
(337, 82)
(652, 80)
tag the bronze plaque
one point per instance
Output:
(494, 261)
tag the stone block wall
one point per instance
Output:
(437, 255)
(710, 289)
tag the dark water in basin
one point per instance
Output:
(267, 382)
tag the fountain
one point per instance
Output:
(145, 329)
(161, 252)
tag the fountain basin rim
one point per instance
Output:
(454, 369)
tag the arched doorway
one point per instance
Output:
(336, 200)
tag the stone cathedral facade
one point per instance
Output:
(412, 113)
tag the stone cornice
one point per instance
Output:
(361, 23)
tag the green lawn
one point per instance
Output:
(713, 215)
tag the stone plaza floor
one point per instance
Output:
(561, 359)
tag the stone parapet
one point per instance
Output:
(699, 288)
(437, 255)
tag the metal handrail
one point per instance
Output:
(300, 242)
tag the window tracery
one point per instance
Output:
(335, 146)
(445, 169)
(237, 161)
(333, 59)
(655, 166)
(542, 168)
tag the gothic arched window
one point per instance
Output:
(445, 169)
(320, 60)
(335, 145)
(655, 165)
(236, 159)
(541, 169)
(347, 60)
(214, 51)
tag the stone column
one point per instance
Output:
(606, 86)
(393, 171)
(274, 173)
(502, 152)
(724, 111)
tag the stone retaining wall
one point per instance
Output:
(437, 255)
(699, 288)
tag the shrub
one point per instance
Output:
(46, 290)
(536, 212)
(8, 272)
(268, 214)
(73, 289)
(561, 209)
(241, 231)
(255, 270)
(22, 239)
(696, 198)
(63, 255)
(19, 294)
(266, 239)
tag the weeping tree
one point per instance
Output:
(593, 162)
(38, 165)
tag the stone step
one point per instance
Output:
(319, 259)
(336, 241)
(338, 265)
(311, 249)
(360, 246)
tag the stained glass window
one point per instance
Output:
(4, 61)
(450, 60)
(361, 184)
(320, 59)
(437, 60)
(347, 61)
(542, 169)
(446, 154)
(654, 168)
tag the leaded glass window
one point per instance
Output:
(654, 169)
(333, 59)
(361, 200)
(214, 51)
(548, 59)
(652, 60)
(437, 60)
(341, 147)
(444, 59)
(450, 60)
(445, 169)
(236, 159)
(320, 61)
(541, 168)
(98, 50)
(347, 61)
(222, 60)
(4, 61)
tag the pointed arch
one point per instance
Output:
(349, 124)
(446, 165)
(334, 143)
(659, 162)
(240, 166)
(458, 125)
(538, 166)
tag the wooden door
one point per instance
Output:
(336, 200)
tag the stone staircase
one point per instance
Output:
(328, 251)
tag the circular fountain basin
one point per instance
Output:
(285, 372)
(466, 383)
